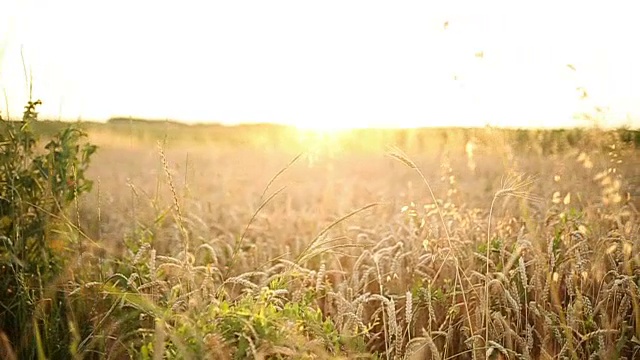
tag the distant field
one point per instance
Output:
(228, 168)
(542, 224)
(286, 137)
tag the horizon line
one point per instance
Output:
(193, 123)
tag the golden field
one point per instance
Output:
(269, 242)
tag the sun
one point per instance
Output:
(328, 127)
(315, 135)
(323, 140)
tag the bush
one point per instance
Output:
(37, 186)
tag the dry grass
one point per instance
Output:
(440, 254)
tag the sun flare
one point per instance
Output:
(325, 127)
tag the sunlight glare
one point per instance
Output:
(376, 66)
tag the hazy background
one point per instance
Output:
(324, 64)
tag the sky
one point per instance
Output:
(324, 64)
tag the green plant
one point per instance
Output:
(37, 187)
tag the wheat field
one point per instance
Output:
(483, 244)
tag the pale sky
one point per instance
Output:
(324, 63)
